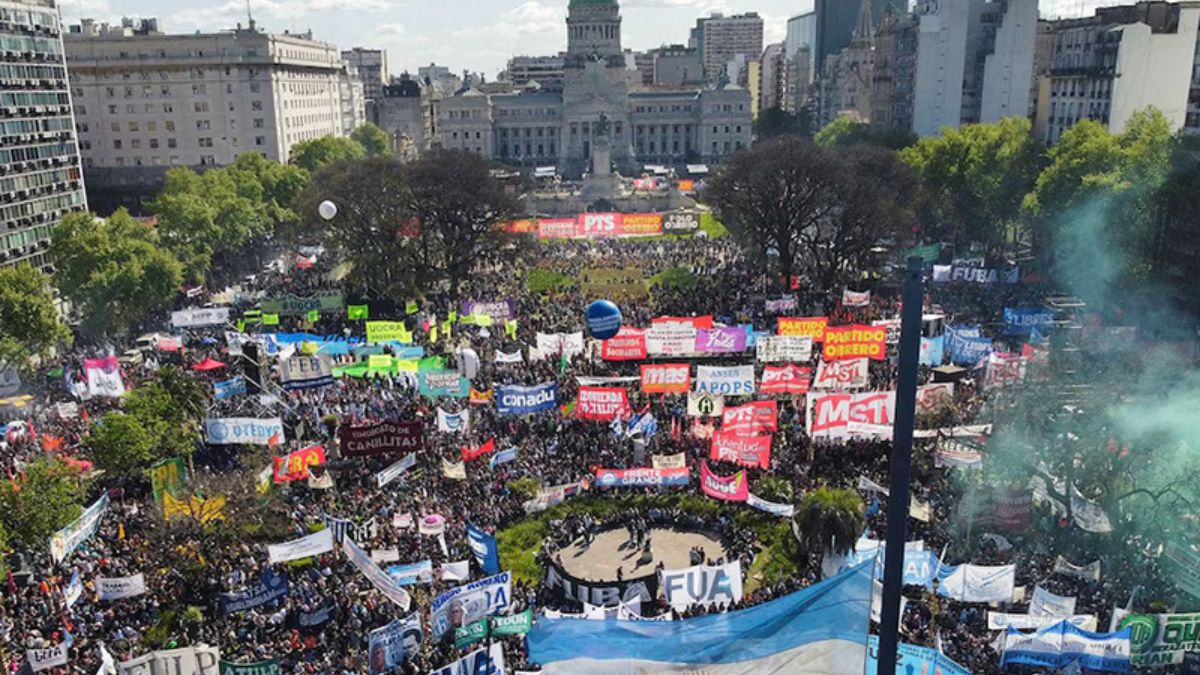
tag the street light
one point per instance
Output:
(328, 210)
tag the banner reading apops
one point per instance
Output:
(730, 381)
(857, 341)
(735, 488)
(381, 438)
(813, 327)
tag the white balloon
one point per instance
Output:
(327, 209)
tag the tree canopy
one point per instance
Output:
(374, 140)
(113, 269)
(830, 520)
(42, 501)
(846, 131)
(318, 152)
(775, 122)
(29, 324)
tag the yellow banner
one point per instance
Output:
(203, 510)
(387, 331)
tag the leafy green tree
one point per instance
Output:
(314, 154)
(846, 131)
(830, 520)
(42, 501)
(775, 122)
(775, 489)
(29, 324)
(976, 178)
(114, 270)
(373, 139)
(121, 445)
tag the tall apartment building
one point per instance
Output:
(799, 50)
(547, 71)
(40, 178)
(772, 77)
(836, 21)
(145, 101)
(895, 72)
(721, 39)
(1122, 60)
(372, 68)
(676, 66)
(847, 81)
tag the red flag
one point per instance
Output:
(469, 454)
(273, 440)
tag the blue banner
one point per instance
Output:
(412, 573)
(449, 383)
(502, 457)
(817, 630)
(271, 587)
(967, 348)
(512, 400)
(1063, 644)
(229, 388)
(483, 545)
(933, 351)
(914, 659)
(919, 566)
(1022, 321)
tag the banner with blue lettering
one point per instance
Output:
(483, 545)
(967, 350)
(271, 587)
(513, 400)
(1023, 320)
(816, 630)
(914, 659)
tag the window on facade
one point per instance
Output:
(206, 142)
(136, 144)
(115, 126)
(171, 142)
(200, 106)
(258, 123)
(153, 143)
(117, 144)
(120, 161)
(256, 105)
(133, 126)
(260, 140)
(168, 108)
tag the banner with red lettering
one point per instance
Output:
(557, 228)
(667, 378)
(854, 342)
(697, 322)
(628, 345)
(735, 488)
(602, 403)
(295, 465)
(1004, 370)
(746, 450)
(813, 327)
(789, 379)
(830, 415)
(931, 397)
(752, 418)
(842, 375)
(852, 299)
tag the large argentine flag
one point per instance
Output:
(820, 630)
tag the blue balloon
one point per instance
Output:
(603, 319)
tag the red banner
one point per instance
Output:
(627, 345)
(735, 488)
(832, 414)
(602, 403)
(469, 454)
(697, 322)
(295, 465)
(642, 224)
(667, 378)
(813, 327)
(789, 379)
(752, 418)
(741, 449)
(855, 342)
(600, 224)
(557, 228)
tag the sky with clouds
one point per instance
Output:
(479, 35)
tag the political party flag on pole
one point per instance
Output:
(358, 312)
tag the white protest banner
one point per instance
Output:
(454, 470)
(205, 316)
(304, 547)
(842, 375)
(51, 657)
(118, 588)
(703, 585)
(676, 461)
(465, 604)
(389, 474)
(64, 542)
(978, 583)
(67, 411)
(877, 602)
(1002, 621)
(706, 405)
(1045, 603)
(385, 555)
(784, 348)
(931, 397)
(488, 661)
(104, 377)
(378, 578)
(852, 299)
(831, 415)
(515, 357)
(243, 431)
(671, 339)
(187, 661)
(781, 510)
(306, 372)
(1089, 515)
(456, 571)
(454, 423)
(726, 381)
(1091, 571)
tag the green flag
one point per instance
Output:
(517, 624)
(270, 319)
(314, 315)
(471, 633)
(510, 327)
(453, 316)
(167, 476)
(410, 307)
(241, 326)
(358, 312)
